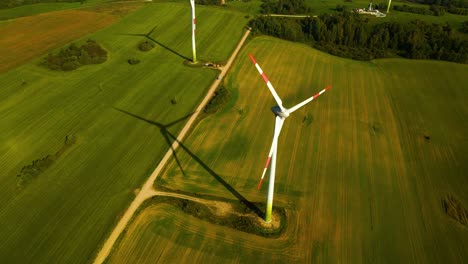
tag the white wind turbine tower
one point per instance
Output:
(281, 114)
(194, 51)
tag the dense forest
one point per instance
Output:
(13, 3)
(287, 7)
(350, 35)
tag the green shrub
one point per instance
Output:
(146, 45)
(219, 99)
(454, 208)
(33, 170)
(133, 61)
(464, 27)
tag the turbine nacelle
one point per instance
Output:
(280, 111)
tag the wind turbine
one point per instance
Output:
(194, 51)
(281, 114)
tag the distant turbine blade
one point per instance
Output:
(294, 108)
(268, 83)
(278, 125)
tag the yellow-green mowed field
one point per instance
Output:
(356, 173)
(65, 213)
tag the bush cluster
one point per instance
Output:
(146, 45)
(133, 61)
(464, 27)
(454, 208)
(31, 171)
(73, 56)
(352, 36)
(220, 98)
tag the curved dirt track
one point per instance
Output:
(147, 190)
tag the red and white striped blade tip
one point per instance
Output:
(252, 59)
(260, 184)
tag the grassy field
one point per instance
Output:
(67, 211)
(359, 179)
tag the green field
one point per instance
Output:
(362, 170)
(65, 214)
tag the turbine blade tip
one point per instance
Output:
(252, 58)
(260, 184)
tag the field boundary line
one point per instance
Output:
(148, 191)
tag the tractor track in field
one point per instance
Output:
(147, 191)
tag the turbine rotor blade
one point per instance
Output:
(266, 164)
(268, 83)
(278, 126)
(294, 108)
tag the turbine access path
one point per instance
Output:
(148, 191)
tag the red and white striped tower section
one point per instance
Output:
(281, 114)
(194, 50)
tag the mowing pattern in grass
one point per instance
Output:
(65, 214)
(363, 183)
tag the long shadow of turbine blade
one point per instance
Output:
(139, 117)
(167, 134)
(157, 42)
(168, 140)
(167, 48)
(163, 130)
(226, 185)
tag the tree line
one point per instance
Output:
(446, 3)
(350, 35)
(286, 7)
(435, 10)
(208, 2)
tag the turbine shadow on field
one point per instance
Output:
(168, 136)
(163, 128)
(148, 36)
